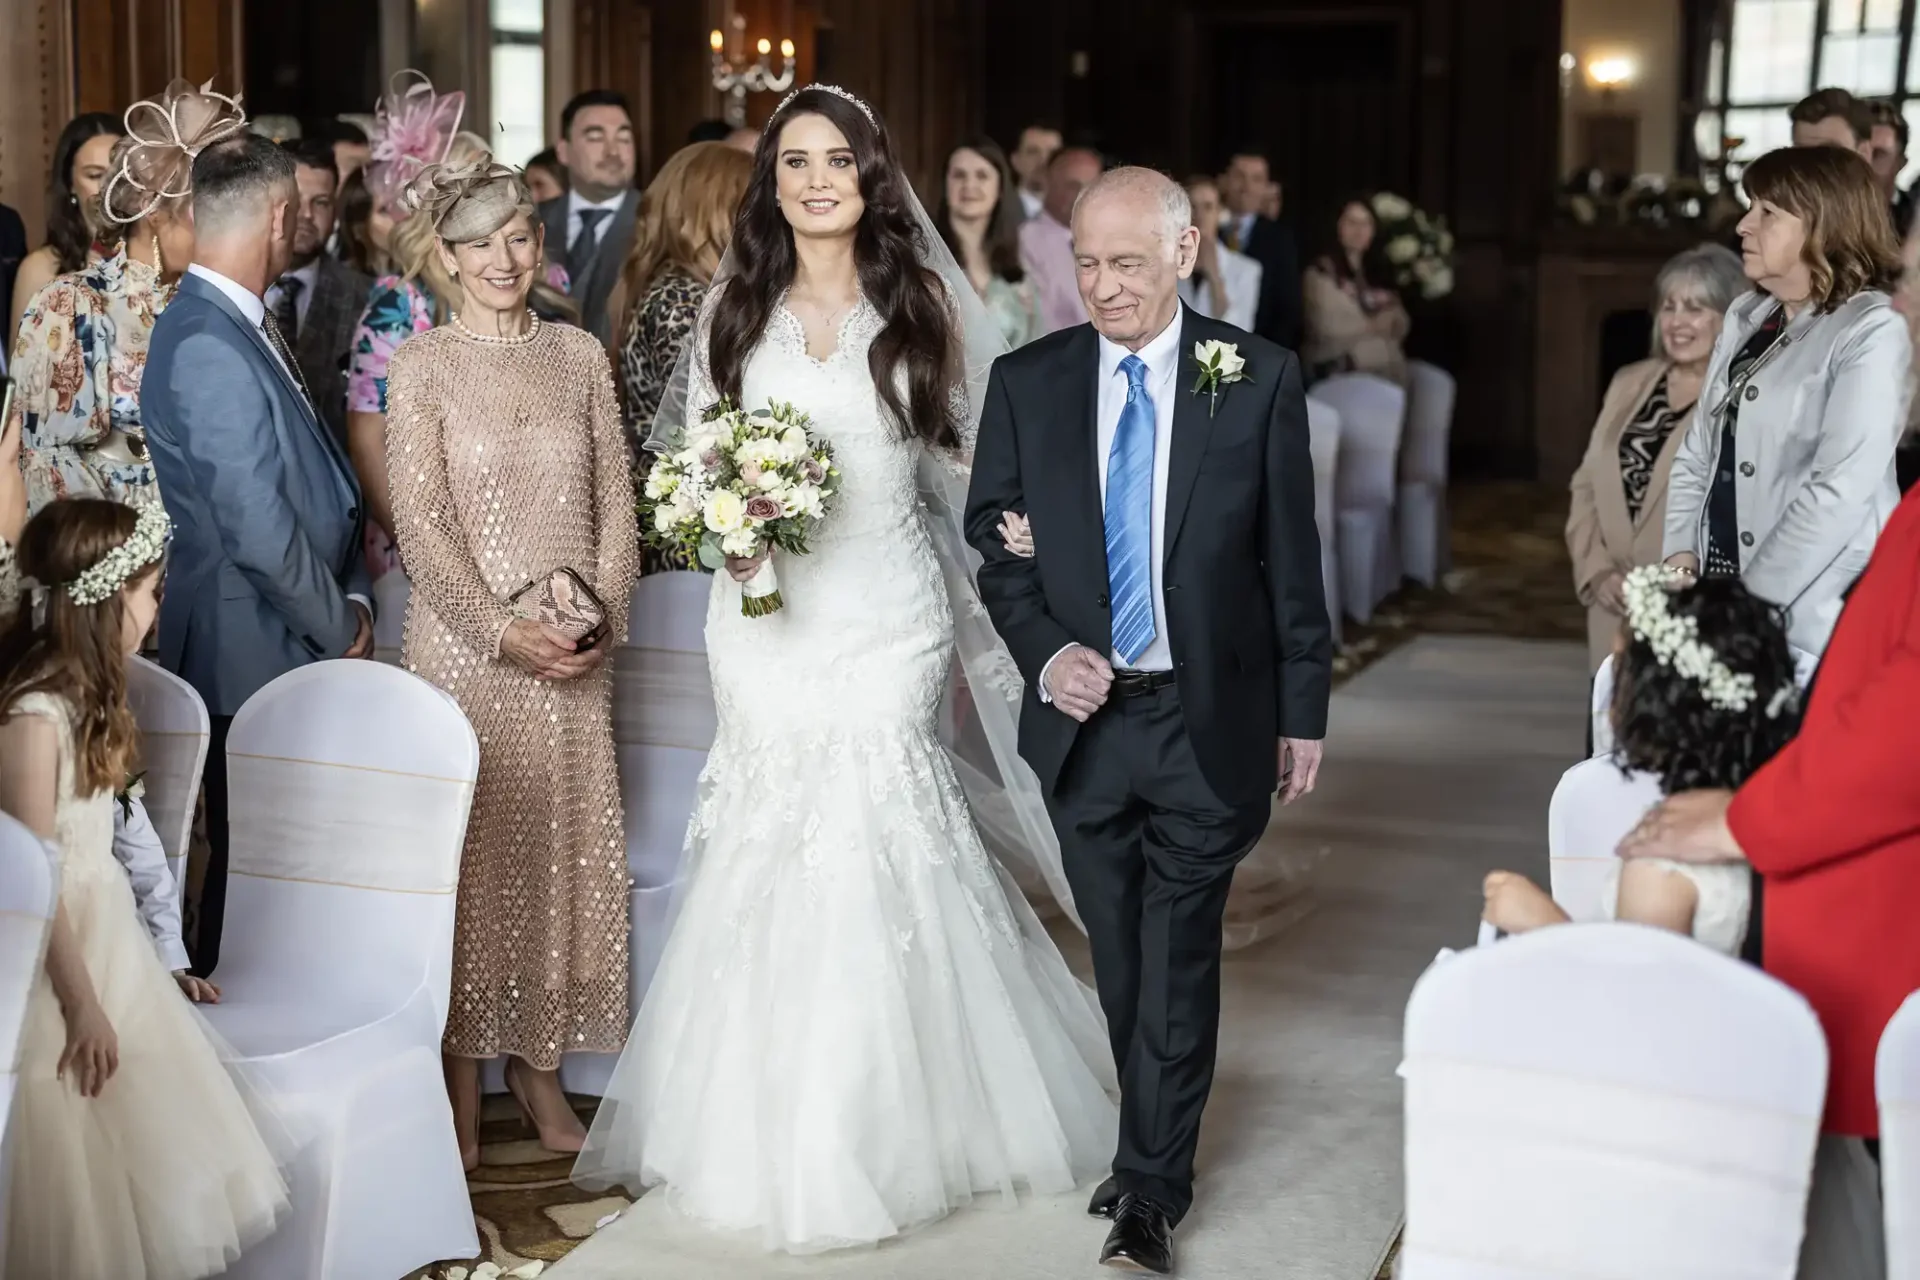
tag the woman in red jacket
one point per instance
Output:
(1832, 826)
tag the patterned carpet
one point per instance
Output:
(1510, 577)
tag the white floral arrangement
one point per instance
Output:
(739, 483)
(107, 575)
(1676, 643)
(1221, 365)
(1418, 247)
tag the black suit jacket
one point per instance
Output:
(13, 249)
(1246, 610)
(325, 340)
(1282, 311)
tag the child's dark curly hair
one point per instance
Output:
(1662, 721)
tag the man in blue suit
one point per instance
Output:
(266, 572)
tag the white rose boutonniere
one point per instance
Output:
(1221, 365)
(136, 789)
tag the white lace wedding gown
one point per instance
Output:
(858, 1022)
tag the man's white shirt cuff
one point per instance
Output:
(1046, 694)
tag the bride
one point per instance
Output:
(858, 1022)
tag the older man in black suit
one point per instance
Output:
(590, 229)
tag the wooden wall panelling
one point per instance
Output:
(34, 103)
(613, 48)
(129, 49)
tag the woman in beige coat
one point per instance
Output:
(1617, 520)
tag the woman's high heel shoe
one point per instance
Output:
(565, 1140)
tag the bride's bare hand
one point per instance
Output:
(1017, 533)
(742, 569)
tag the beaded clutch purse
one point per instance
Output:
(563, 601)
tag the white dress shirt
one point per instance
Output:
(309, 278)
(250, 303)
(1031, 202)
(156, 894)
(577, 202)
(1243, 290)
(1161, 355)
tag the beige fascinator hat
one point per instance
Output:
(153, 164)
(468, 201)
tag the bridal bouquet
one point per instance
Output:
(1419, 248)
(740, 483)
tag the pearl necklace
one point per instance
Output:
(533, 327)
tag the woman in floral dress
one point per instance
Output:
(82, 345)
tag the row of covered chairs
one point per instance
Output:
(1389, 491)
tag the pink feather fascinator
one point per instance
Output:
(413, 127)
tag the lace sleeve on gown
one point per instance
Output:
(614, 523)
(432, 541)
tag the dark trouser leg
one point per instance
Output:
(1100, 822)
(213, 886)
(1192, 842)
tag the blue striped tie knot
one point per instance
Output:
(1129, 518)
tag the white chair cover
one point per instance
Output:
(663, 725)
(1323, 426)
(1611, 1102)
(1423, 472)
(1896, 1078)
(174, 732)
(1371, 410)
(1593, 808)
(390, 592)
(29, 891)
(1602, 708)
(350, 788)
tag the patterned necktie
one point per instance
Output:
(585, 239)
(1130, 518)
(286, 306)
(278, 342)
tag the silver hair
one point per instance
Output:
(1176, 207)
(1709, 274)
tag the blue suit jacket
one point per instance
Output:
(266, 508)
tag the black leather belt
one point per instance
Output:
(1138, 684)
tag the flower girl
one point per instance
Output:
(134, 1152)
(1705, 696)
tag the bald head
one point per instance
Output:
(1070, 170)
(1145, 194)
(1133, 242)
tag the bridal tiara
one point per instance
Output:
(833, 89)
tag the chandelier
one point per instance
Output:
(736, 78)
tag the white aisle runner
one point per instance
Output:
(1440, 763)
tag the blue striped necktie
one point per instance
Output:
(1130, 518)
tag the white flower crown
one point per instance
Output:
(1676, 643)
(833, 89)
(146, 544)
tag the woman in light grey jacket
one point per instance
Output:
(1786, 473)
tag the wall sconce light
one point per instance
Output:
(1610, 73)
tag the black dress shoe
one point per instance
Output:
(1141, 1239)
(1106, 1198)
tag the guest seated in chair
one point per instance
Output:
(1356, 322)
(1706, 695)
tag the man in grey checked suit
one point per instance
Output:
(590, 228)
(267, 572)
(318, 302)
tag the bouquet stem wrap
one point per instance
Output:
(760, 594)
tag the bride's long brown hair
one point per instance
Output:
(76, 652)
(917, 351)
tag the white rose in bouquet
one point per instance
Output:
(1402, 249)
(794, 444)
(726, 511)
(740, 544)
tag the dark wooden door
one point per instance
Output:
(1326, 95)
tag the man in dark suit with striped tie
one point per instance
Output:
(590, 228)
